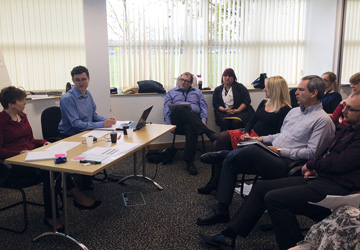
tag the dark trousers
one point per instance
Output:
(191, 125)
(248, 160)
(22, 176)
(285, 198)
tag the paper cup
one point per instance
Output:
(130, 132)
(89, 141)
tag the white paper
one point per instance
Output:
(63, 146)
(246, 191)
(96, 133)
(336, 201)
(40, 155)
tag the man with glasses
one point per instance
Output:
(335, 172)
(78, 112)
(78, 109)
(190, 121)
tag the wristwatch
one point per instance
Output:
(278, 151)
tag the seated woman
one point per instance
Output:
(267, 120)
(341, 230)
(16, 137)
(338, 116)
(231, 102)
(332, 98)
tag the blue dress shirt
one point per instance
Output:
(304, 134)
(193, 96)
(78, 113)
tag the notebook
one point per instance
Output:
(140, 124)
(173, 106)
(256, 142)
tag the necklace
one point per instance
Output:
(328, 92)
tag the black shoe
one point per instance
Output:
(60, 229)
(213, 218)
(218, 239)
(192, 169)
(209, 187)
(213, 157)
(82, 207)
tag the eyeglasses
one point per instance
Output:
(354, 83)
(184, 80)
(349, 108)
(80, 80)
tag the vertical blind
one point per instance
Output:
(42, 41)
(351, 47)
(160, 39)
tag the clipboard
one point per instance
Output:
(256, 142)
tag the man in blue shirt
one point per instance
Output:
(191, 122)
(78, 109)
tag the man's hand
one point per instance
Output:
(273, 148)
(113, 120)
(306, 172)
(108, 123)
(204, 122)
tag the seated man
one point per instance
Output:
(304, 135)
(78, 109)
(336, 172)
(192, 122)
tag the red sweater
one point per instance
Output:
(16, 136)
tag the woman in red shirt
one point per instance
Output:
(16, 137)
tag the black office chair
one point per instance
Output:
(293, 99)
(294, 170)
(18, 185)
(50, 119)
(178, 131)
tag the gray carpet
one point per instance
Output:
(167, 221)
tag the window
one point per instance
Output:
(160, 39)
(351, 47)
(42, 41)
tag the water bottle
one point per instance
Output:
(199, 81)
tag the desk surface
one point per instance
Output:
(142, 137)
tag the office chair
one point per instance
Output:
(18, 185)
(294, 170)
(178, 131)
(293, 99)
(50, 119)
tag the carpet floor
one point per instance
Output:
(166, 221)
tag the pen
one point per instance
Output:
(91, 162)
(119, 137)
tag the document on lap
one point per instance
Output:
(256, 142)
(336, 201)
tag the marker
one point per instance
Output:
(119, 137)
(91, 162)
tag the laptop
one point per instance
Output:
(140, 124)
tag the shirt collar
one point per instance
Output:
(311, 108)
(78, 94)
(177, 88)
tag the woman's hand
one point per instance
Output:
(245, 135)
(47, 143)
(24, 151)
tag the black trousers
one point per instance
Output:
(191, 126)
(285, 198)
(248, 160)
(23, 176)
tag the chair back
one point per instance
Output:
(50, 119)
(293, 99)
